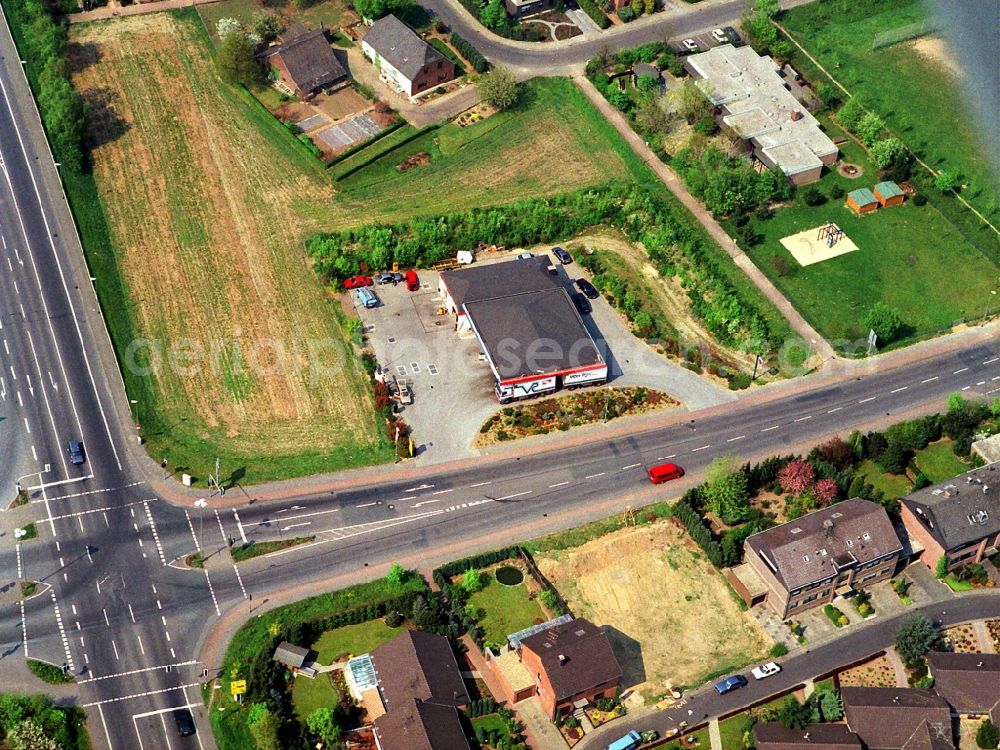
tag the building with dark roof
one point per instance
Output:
(898, 718)
(572, 665)
(528, 328)
(811, 560)
(406, 62)
(959, 518)
(292, 656)
(970, 683)
(422, 689)
(775, 736)
(303, 62)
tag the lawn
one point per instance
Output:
(329, 13)
(353, 640)
(231, 345)
(310, 693)
(896, 81)
(892, 485)
(938, 461)
(507, 609)
(932, 283)
(491, 722)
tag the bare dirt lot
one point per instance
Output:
(936, 51)
(655, 590)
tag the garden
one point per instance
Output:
(564, 412)
(34, 721)
(348, 641)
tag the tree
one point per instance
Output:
(850, 114)
(498, 87)
(885, 321)
(884, 151)
(494, 15)
(914, 637)
(796, 477)
(725, 489)
(941, 569)
(896, 457)
(649, 7)
(322, 724)
(947, 181)
(827, 706)
(837, 452)
(811, 196)
(266, 27)
(236, 58)
(869, 128)
(375, 9)
(956, 402)
(29, 735)
(472, 581)
(768, 8)
(825, 491)
(396, 575)
(265, 731)
(794, 715)
(691, 103)
(987, 735)
(651, 118)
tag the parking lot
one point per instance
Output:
(703, 39)
(451, 382)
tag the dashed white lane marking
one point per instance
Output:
(594, 476)
(24, 630)
(366, 505)
(967, 388)
(34, 454)
(480, 484)
(695, 450)
(97, 492)
(803, 419)
(442, 492)
(981, 382)
(957, 372)
(772, 427)
(509, 497)
(836, 408)
(172, 654)
(421, 487)
(115, 648)
(106, 620)
(85, 512)
(211, 590)
(20, 567)
(734, 439)
(558, 484)
(901, 388)
(62, 631)
(139, 695)
(194, 536)
(27, 426)
(866, 400)
(991, 361)
(142, 649)
(225, 540)
(631, 466)
(131, 613)
(297, 525)
(156, 537)
(929, 380)
(239, 527)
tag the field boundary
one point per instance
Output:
(375, 156)
(344, 155)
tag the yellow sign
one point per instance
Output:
(238, 687)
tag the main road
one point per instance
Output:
(116, 605)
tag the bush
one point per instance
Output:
(778, 650)
(597, 16)
(811, 196)
(626, 14)
(987, 735)
(836, 192)
(470, 53)
(885, 321)
(837, 617)
(393, 619)
(941, 568)
(947, 181)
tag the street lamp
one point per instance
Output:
(986, 309)
(132, 402)
(201, 504)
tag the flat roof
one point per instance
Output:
(490, 280)
(514, 673)
(757, 105)
(532, 334)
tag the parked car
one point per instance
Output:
(525, 256)
(564, 257)
(582, 304)
(184, 721)
(630, 741)
(664, 473)
(386, 278)
(765, 670)
(588, 289)
(720, 36)
(733, 35)
(690, 45)
(75, 448)
(366, 297)
(356, 282)
(412, 282)
(730, 683)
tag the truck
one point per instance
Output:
(630, 741)
(516, 391)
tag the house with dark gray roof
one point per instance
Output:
(898, 718)
(959, 518)
(775, 736)
(303, 63)
(406, 62)
(828, 553)
(421, 689)
(970, 683)
(292, 656)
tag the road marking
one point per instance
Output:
(27, 426)
(902, 388)
(107, 735)
(421, 487)
(131, 613)
(967, 388)
(368, 505)
(866, 400)
(20, 568)
(295, 518)
(836, 408)
(139, 637)
(695, 450)
(803, 419)
(734, 439)
(480, 484)
(631, 466)
(239, 527)
(510, 497)
(426, 502)
(297, 525)
(929, 380)
(62, 631)
(211, 590)
(158, 605)
(143, 695)
(106, 620)
(957, 372)
(981, 382)
(594, 476)
(558, 484)
(441, 492)
(96, 492)
(156, 537)
(991, 361)
(773, 427)
(115, 647)
(166, 734)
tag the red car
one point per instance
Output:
(664, 473)
(355, 282)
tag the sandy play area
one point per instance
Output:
(810, 247)
(669, 614)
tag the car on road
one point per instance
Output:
(588, 289)
(75, 448)
(765, 670)
(730, 683)
(582, 304)
(664, 473)
(564, 257)
(356, 282)
(184, 721)
(733, 35)
(690, 44)
(720, 36)
(386, 278)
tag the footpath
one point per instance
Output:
(135, 9)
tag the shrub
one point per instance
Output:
(850, 114)
(470, 53)
(796, 477)
(836, 192)
(919, 199)
(885, 321)
(597, 16)
(987, 735)
(626, 14)
(778, 650)
(947, 181)
(472, 581)
(896, 457)
(837, 617)
(394, 619)
(811, 196)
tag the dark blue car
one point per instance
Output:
(730, 683)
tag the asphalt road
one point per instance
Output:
(115, 606)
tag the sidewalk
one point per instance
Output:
(135, 9)
(676, 186)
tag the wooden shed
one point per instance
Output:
(862, 201)
(888, 193)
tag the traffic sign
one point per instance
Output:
(238, 687)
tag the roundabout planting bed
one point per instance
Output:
(508, 575)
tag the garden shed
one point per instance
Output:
(862, 201)
(888, 193)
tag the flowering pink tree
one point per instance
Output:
(825, 491)
(796, 477)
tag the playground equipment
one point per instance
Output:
(831, 233)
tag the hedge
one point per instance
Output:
(377, 154)
(479, 63)
(684, 512)
(361, 145)
(596, 14)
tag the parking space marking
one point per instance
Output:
(401, 370)
(415, 366)
(432, 369)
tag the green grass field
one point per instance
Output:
(938, 461)
(507, 609)
(353, 640)
(892, 486)
(933, 283)
(310, 693)
(896, 81)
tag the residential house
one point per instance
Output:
(421, 689)
(755, 100)
(862, 201)
(811, 560)
(959, 518)
(522, 8)
(303, 63)
(970, 683)
(898, 718)
(775, 736)
(406, 62)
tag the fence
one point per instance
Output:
(904, 33)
